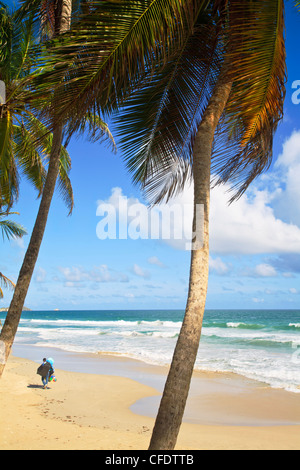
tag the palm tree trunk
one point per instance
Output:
(15, 310)
(177, 386)
(9, 330)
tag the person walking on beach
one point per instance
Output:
(46, 370)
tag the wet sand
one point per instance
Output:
(109, 403)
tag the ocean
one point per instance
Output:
(258, 344)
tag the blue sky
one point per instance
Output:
(255, 243)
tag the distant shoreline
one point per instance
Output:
(25, 309)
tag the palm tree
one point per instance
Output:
(9, 229)
(218, 112)
(25, 142)
(59, 13)
(108, 50)
(129, 19)
(209, 100)
(210, 78)
(222, 121)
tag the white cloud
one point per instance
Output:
(74, 274)
(257, 223)
(257, 300)
(154, 260)
(100, 273)
(249, 225)
(218, 266)
(40, 274)
(140, 272)
(129, 296)
(265, 270)
(288, 167)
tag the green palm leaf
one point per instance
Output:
(105, 54)
(244, 145)
(157, 125)
(9, 180)
(166, 113)
(5, 282)
(9, 228)
(25, 142)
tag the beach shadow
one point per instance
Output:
(34, 386)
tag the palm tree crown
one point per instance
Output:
(240, 41)
(25, 142)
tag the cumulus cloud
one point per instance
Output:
(140, 272)
(249, 225)
(265, 270)
(218, 266)
(288, 170)
(265, 220)
(258, 300)
(99, 274)
(154, 260)
(40, 274)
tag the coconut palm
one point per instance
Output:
(109, 48)
(9, 229)
(210, 116)
(210, 97)
(220, 81)
(25, 142)
(59, 15)
(218, 113)
(120, 25)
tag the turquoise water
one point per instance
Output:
(258, 344)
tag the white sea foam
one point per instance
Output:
(248, 346)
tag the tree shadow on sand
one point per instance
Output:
(35, 386)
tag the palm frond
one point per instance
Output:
(24, 48)
(168, 181)
(9, 181)
(105, 54)
(25, 142)
(92, 127)
(5, 282)
(5, 42)
(9, 228)
(158, 124)
(253, 36)
(33, 151)
(29, 156)
(257, 60)
(64, 182)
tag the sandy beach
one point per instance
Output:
(114, 412)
